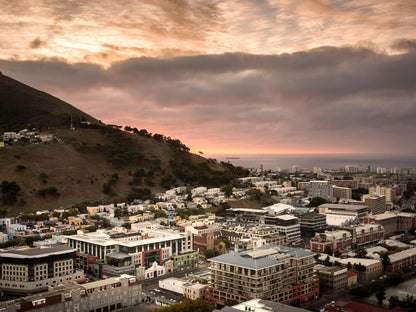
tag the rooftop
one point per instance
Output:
(36, 252)
(344, 207)
(238, 259)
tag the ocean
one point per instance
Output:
(325, 161)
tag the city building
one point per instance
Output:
(331, 241)
(27, 270)
(275, 273)
(359, 211)
(351, 279)
(123, 252)
(287, 225)
(321, 189)
(260, 305)
(333, 279)
(372, 269)
(376, 204)
(394, 222)
(312, 222)
(342, 192)
(382, 190)
(194, 291)
(245, 215)
(105, 295)
(402, 260)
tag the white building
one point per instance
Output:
(321, 189)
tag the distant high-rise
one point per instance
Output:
(381, 170)
(321, 189)
(295, 169)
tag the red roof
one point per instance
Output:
(351, 273)
(353, 306)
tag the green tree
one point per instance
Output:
(328, 250)
(361, 253)
(393, 302)
(160, 214)
(316, 202)
(228, 190)
(187, 305)
(381, 295)
(10, 191)
(106, 188)
(210, 253)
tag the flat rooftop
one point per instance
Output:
(344, 207)
(36, 252)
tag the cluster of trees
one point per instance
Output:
(186, 213)
(378, 287)
(357, 193)
(107, 187)
(201, 174)
(211, 253)
(139, 193)
(173, 143)
(408, 302)
(10, 191)
(52, 190)
(316, 202)
(187, 305)
(410, 190)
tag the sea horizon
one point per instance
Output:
(324, 161)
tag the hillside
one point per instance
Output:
(26, 107)
(93, 162)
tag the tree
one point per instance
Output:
(359, 267)
(361, 253)
(393, 302)
(10, 191)
(106, 188)
(328, 250)
(385, 259)
(360, 292)
(381, 295)
(210, 253)
(316, 202)
(187, 305)
(127, 225)
(228, 190)
(160, 214)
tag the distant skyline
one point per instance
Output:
(229, 77)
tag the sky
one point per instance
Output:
(230, 76)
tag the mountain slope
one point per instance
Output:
(25, 107)
(93, 162)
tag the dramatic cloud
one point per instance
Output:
(236, 75)
(108, 31)
(323, 100)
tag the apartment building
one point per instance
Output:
(105, 295)
(29, 270)
(342, 192)
(287, 225)
(275, 273)
(321, 189)
(376, 204)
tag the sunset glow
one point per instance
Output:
(227, 77)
